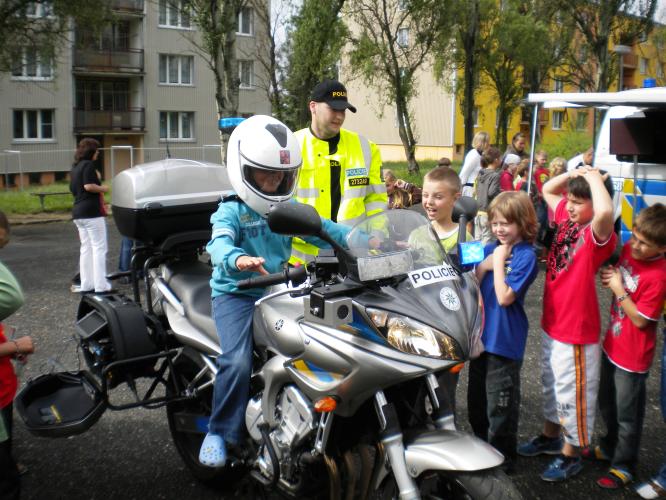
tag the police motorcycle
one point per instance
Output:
(349, 351)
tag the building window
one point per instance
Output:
(174, 13)
(402, 5)
(246, 74)
(246, 21)
(643, 66)
(29, 64)
(643, 37)
(102, 95)
(558, 118)
(114, 36)
(403, 37)
(43, 8)
(558, 85)
(176, 70)
(660, 71)
(475, 116)
(581, 120)
(33, 124)
(177, 125)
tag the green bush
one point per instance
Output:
(567, 143)
(399, 168)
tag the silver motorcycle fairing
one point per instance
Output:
(275, 323)
(449, 450)
(188, 334)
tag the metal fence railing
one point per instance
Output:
(114, 159)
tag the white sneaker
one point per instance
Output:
(650, 489)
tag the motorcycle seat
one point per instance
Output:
(190, 281)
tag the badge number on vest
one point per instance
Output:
(430, 275)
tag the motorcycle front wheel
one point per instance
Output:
(188, 419)
(489, 484)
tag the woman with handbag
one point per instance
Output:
(89, 214)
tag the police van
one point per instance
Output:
(631, 144)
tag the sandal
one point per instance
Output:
(594, 453)
(615, 479)
(213, 453)
(650, 489)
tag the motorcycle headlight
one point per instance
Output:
(412, 337)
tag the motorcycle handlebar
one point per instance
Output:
(295, 274)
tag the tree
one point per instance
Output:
(215, 42)
(42, 27)
(268, 54)
(315, 37)
(387, 48)
(515, 41)
(590, 65)
(553, 47)
(459, 46)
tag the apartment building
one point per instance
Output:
(138, 87)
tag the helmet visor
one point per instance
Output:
(270, 182)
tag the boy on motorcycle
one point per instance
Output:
(263, 162)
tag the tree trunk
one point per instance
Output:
(469, 43)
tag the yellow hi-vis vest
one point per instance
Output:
(362, 191)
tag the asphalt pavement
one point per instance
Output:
(129, 454)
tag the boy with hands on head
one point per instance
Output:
(571, 321)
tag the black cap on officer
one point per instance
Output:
(333, 93)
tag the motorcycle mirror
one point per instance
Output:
(294, 219)
(466, 207)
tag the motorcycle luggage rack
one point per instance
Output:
(147, 401)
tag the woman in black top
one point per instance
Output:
(89, 216)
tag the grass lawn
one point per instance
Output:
(399, 168)
(14, 201)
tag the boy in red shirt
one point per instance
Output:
(571, 322)
(638, 284)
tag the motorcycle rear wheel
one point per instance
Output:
(188, 421)
(490, 484)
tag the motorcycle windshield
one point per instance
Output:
(417, 278)
(397, 243)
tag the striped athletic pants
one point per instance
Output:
(570, 378)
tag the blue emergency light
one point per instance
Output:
(470, 252)
(227, 125)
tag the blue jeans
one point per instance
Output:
(493, 401)
(233, 321)
(125, 254)
(622, 406)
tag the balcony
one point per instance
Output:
(107, 121)
(128, 61)
(134, 7)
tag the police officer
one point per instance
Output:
(341, 172)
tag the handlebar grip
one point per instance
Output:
(296, 274)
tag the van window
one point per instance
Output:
(651, 130)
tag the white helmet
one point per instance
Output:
(263, 161)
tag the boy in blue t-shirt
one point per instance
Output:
(510, 267)
(263, 160)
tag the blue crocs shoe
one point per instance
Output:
(541, 445)
(562, 468)
(213, 452)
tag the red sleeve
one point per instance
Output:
(505, 182)
(649, 298)
(561, 214)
